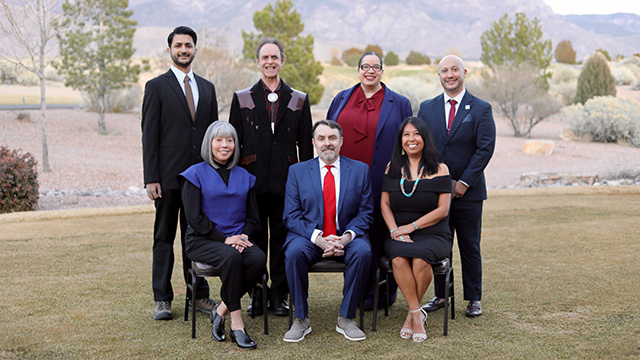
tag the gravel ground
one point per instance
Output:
(91, 170)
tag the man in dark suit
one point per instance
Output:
(327, 196)
(273, 122)
(465, 135)
(178, 107)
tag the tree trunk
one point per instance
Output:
(43, 109)
(102, 127)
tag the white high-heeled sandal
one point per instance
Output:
(420, 337)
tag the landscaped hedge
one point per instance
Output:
(18, 181)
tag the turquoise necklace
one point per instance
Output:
(415, 185)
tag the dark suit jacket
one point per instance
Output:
(395, 108)
(266, 154)
(470, 143)
(171, 141)
(303, 203)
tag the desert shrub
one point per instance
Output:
(7, 73)
(24, 116)
(622, 75)
(595, 79)
(27, 78)
(636, 84)
(335, 61)
(375, 48)
(391, 59)
(563, 83)
(416, 89)
(333, 87)
(18, 181)
(415, 58)
(351, 56)
(119, 100)
(564, 52)
(606, 119)
(427, 59)
(605, 53)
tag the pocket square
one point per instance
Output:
(467, 118)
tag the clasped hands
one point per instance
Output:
(401, 233)
(333, 245)
(238, 242)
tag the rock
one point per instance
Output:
(544, 147)
(535, 179)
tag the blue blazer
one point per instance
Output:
(303, 202)
(470, 143)
(395, 108)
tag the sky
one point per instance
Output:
(603, 7)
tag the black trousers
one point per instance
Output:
(239, 272)
(168, 209)
(465, 221)
(271, 239)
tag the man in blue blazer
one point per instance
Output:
(465, 134)
(328, 210)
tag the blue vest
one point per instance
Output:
(225, 206)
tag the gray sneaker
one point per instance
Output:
(349, 329)
(162, 310)
(204, 305)
(299, 329)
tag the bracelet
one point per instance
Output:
(392, 230)
(414, 225)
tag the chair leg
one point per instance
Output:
(265, 314)
(386, 296)
(193, 304)
(290, 311)
(446, 302)
(186, 301)
(376, 296)
(452, 295)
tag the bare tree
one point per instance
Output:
(30, 26)
(520, 94)
(225, 71)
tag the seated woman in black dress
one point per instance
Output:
(416, 191)
(221, 209)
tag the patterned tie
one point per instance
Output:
(329, 195)
(452, 114)
(189, 95)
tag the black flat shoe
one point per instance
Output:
(218, 325)
(433, 305)
(242, 339)
(279, 307)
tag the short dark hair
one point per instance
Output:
(269, 40)
(330, 123)
(182, 30)
(369, 53)
(429, 161)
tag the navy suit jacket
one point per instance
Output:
(470, 143)
(395, 108)
(303, 203)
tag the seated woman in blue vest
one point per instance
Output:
(222, 213)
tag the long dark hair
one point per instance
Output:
(430, 155)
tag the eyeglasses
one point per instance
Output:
(366, 67)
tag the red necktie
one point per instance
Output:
(452, 114)
(329, 195)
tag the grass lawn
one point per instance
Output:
(561, 280)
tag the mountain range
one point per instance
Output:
(433, 27)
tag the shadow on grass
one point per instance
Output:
(561, 280)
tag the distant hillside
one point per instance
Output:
(428, 26)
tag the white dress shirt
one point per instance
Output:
(192, 81)
(447, 105)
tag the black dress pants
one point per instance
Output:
(168, 209)
(271, 239)
(239, 272)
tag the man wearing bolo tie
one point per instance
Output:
(273, 122)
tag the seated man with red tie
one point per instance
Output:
(327, 196)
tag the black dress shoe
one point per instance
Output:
(433, 305)
(474, 309)
(242, 339)
(255, 303)
(279, 307)
(218, 325)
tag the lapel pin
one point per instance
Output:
(467, 107)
